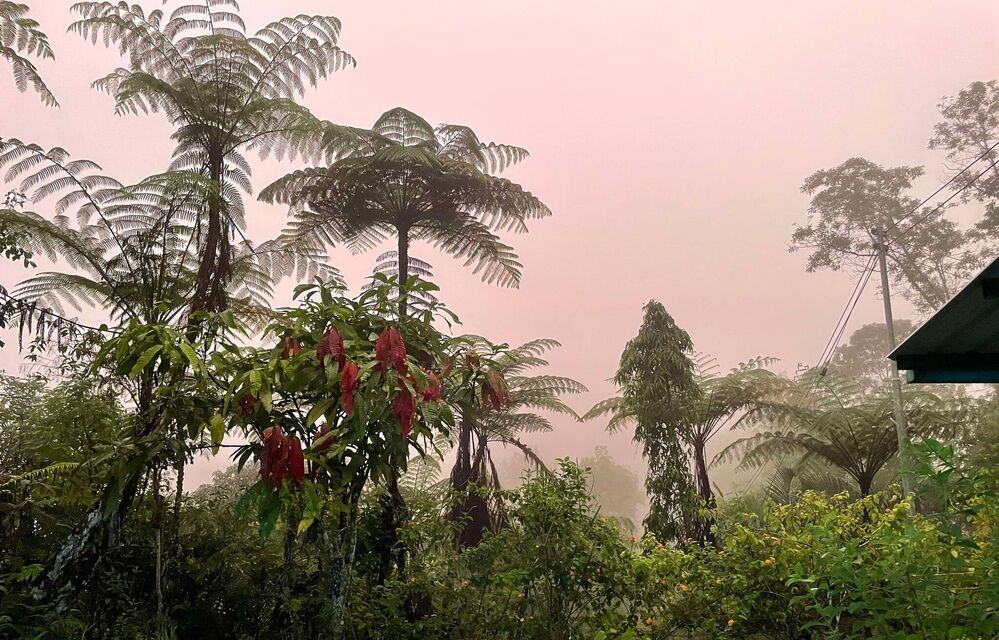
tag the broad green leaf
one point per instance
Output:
(144, 359)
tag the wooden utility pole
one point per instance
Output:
(901, 428)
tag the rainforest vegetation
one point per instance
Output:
(362, 431)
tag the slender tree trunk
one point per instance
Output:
(158, 524)
(704, 492)
(214, 270)
(394, 507)
(403, 272)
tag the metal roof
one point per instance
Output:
(960, 342)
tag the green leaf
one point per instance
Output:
(305, 523)
(268, 512)
(318, 409)
(191, 356)
(146, 357)
(217, 430)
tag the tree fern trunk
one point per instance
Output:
(704, 492)
(403, 272)
(213, 272)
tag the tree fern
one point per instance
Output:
(21, 37)
(526, 401)
(226, 92)
(831, 420)
(417, 182)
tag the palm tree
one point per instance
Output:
(20, 36)
(830, 420)
(504, 405)
(419, 182)
(226, 93)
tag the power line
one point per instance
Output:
(844, 316)
(952, 179)
(934, 210)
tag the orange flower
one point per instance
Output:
(769, 561)
(731, 622)
(684, 588)
(648, 622)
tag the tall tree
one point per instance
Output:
(226, 93)
(418, 182)
(658, 388)
(853, 203)
(20, 36)
(725, 400)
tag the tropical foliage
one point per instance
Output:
(363, 499)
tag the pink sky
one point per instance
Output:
(669, 138)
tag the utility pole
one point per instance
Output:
(901, 428)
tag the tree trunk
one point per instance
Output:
(704, 492)
(103, 525)
(214, 270)
(403, 272)
(394, 507)
(471, 513)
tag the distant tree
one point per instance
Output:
(853, 202)
(20, 37)
(616, 487)
(416, 182)
(864, 359)
(226, 93)
(658, 388)
(968, 129)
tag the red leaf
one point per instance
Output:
(348, 386)
(433, 392)
(390, 351)
(292, 348)
(331, 345)
(446, 369)
(247, 403)
(296, 461)
(274, 459)
(494, 391)
(472, 360)
(404, 407)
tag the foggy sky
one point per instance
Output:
(669, 139)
